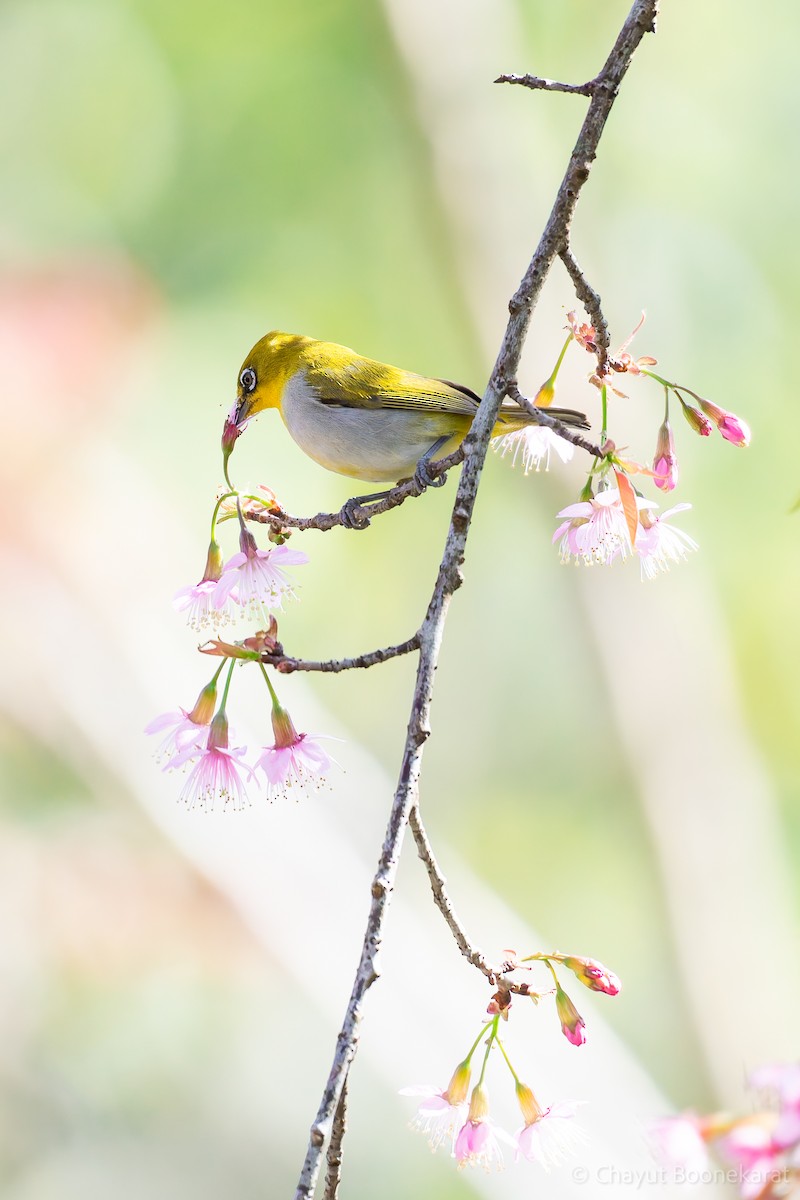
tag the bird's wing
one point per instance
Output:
(343, 378)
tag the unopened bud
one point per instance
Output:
(230, 433)
(733, 428)
(572, 1023)
(593, 974)
(698, 422)
(665, 464)
(459, 1085)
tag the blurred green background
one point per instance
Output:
(618, 761)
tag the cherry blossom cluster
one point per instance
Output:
(251, 586)
(459, 1118)
(612, 520)
(760, 1149)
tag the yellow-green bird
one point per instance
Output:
(360, 417)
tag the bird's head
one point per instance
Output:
(263, 374)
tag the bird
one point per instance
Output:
(359, 417)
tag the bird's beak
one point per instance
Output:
(240, 412)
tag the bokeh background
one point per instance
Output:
(615, 762)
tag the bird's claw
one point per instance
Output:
(424, 479)
(352, 514)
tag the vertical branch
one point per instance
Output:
(554, 240)
(333, 1175)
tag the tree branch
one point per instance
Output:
(555, 237)
(358, 516)
(564, 431)
(537, 83)
(288, 665)
(443, 902)
(334, 1173)
(590, 299)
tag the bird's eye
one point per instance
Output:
(248, 379)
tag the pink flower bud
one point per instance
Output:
(593, 974)
(230, 433)
(698, 422)
(572, 1023)
(665, 464)
(733, 428)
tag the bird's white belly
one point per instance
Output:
(378, 445)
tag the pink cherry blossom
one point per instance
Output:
(782, 1078)
(478, 1144)
(300, 765)
(595, 530)
(750, 1144)
(534, 443)
(218, 772)
(677, 1142)
(549, 1139)
(658, 543)
(437, 1117)
(182, 732)
(199, 602)
(256, 579)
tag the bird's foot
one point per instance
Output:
(423, 478)
(352, 514)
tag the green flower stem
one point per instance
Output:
(675, 387)
(474, 1046)
(508, 1060)
(216, 674)
(492, 1037)
(666, 403)
(276, 704)
(559, 361)
(217, 506)
(604, 402)
(552, 971)
(224, 700)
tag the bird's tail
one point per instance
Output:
(511, 417)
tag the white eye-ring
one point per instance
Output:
(248, 379)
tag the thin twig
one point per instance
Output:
(288, 665)
(443, 902)
(358, 515)
(543, 417)
(590, 299)
(640, 20)
(537, 83)
(333, 1175)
